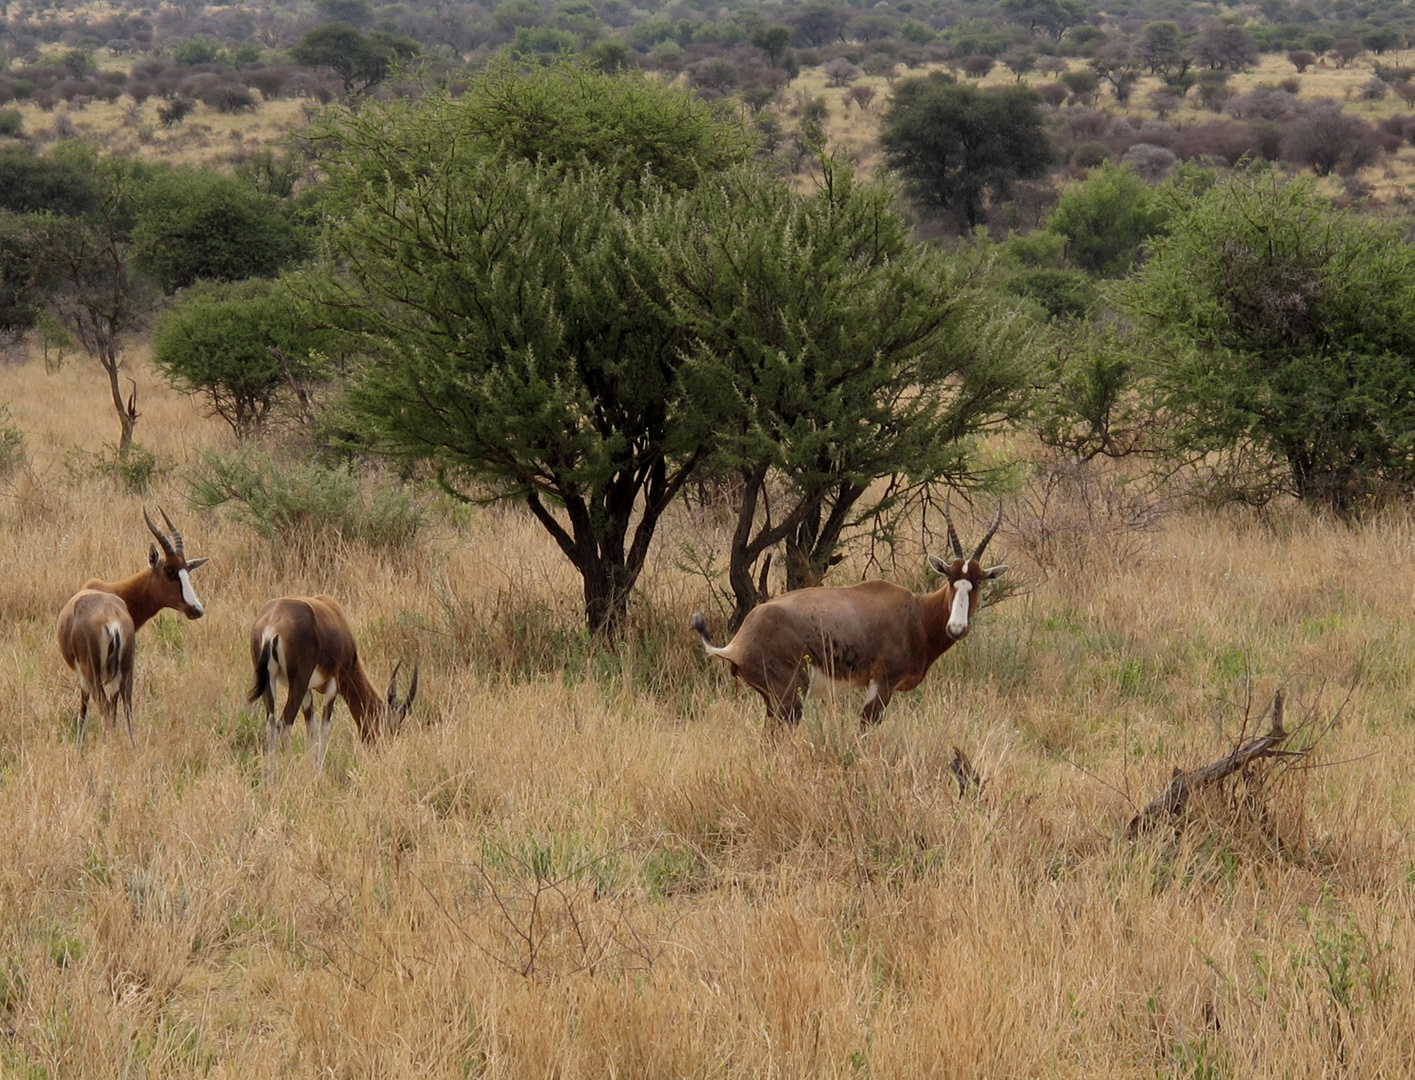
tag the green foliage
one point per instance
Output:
(362, 61)
(272, 174)
(60, 182)
(1061, 293)
(568, 116)
(134, 471)
(1091, 407)
(12, 123)
(296, 508)
(12, 444)
(1283, 330)
(29, 276)
(511, 311)
(194, 224)
(240, 347)
(957, 147)
(1106, 219)
(810, 316)
(197, 50)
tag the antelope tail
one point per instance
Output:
(262, 670)
(699, 623)
(112, 659)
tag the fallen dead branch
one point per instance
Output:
(964, 772)
(1175, 797)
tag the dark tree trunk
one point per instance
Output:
(812, 546)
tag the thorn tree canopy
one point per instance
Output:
(500, 272)
(957, 147)
(1283, 329)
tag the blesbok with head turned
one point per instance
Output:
(98, 625)
(306, 642)
(875, 635)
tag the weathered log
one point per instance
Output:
(1173, 799)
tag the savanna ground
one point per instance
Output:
(211, 138)
(576, 864)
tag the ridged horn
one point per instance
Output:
(176, 536)
(983, 543)
(952, 532)
(166, 544)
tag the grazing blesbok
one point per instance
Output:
(306, 642)
(98, 624)
(874, 635)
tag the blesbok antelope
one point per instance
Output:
(306, 642)
(875, 635)
(98, 625)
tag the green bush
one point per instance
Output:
(12, 123)
(300, 506)
(12, 444)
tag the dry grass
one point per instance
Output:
(854, 132)
(579, 865)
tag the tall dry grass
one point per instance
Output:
(577, 864)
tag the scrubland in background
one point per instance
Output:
(577, 863)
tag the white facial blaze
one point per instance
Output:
(189, 595)
(958, 617)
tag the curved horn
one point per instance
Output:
(983, 543)
(412, 690)
(952, 533)
(176, 536)
(166, 544)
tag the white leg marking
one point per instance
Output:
(189, 595)
(958, 617)
(871, 691)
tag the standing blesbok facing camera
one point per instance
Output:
(874, 635)
(306, 642)
(98, 624)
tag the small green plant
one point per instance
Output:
(12, 123)
(301, 505)
(135, 474)
(12, 444)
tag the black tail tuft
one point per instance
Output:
(262, 672)
(699, 623)
(113, 658)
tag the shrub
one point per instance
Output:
(298, 507)
(1149, 161)
(12, 444)
(239, 347)
(1090, 154)
(12, 123)
(226, 98)
(175, 110)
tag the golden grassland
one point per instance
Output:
(853, 132)
(578, 864)
(214, 139)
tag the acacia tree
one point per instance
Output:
(1282, 330)
(101, 298)
(512, 313)
(835, 354)
(361, 61)
(957, 146)
(242, 347)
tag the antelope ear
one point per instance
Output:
(412, 690)
(153, 558)
(995, 571)
(940, 566)
(197, 564)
